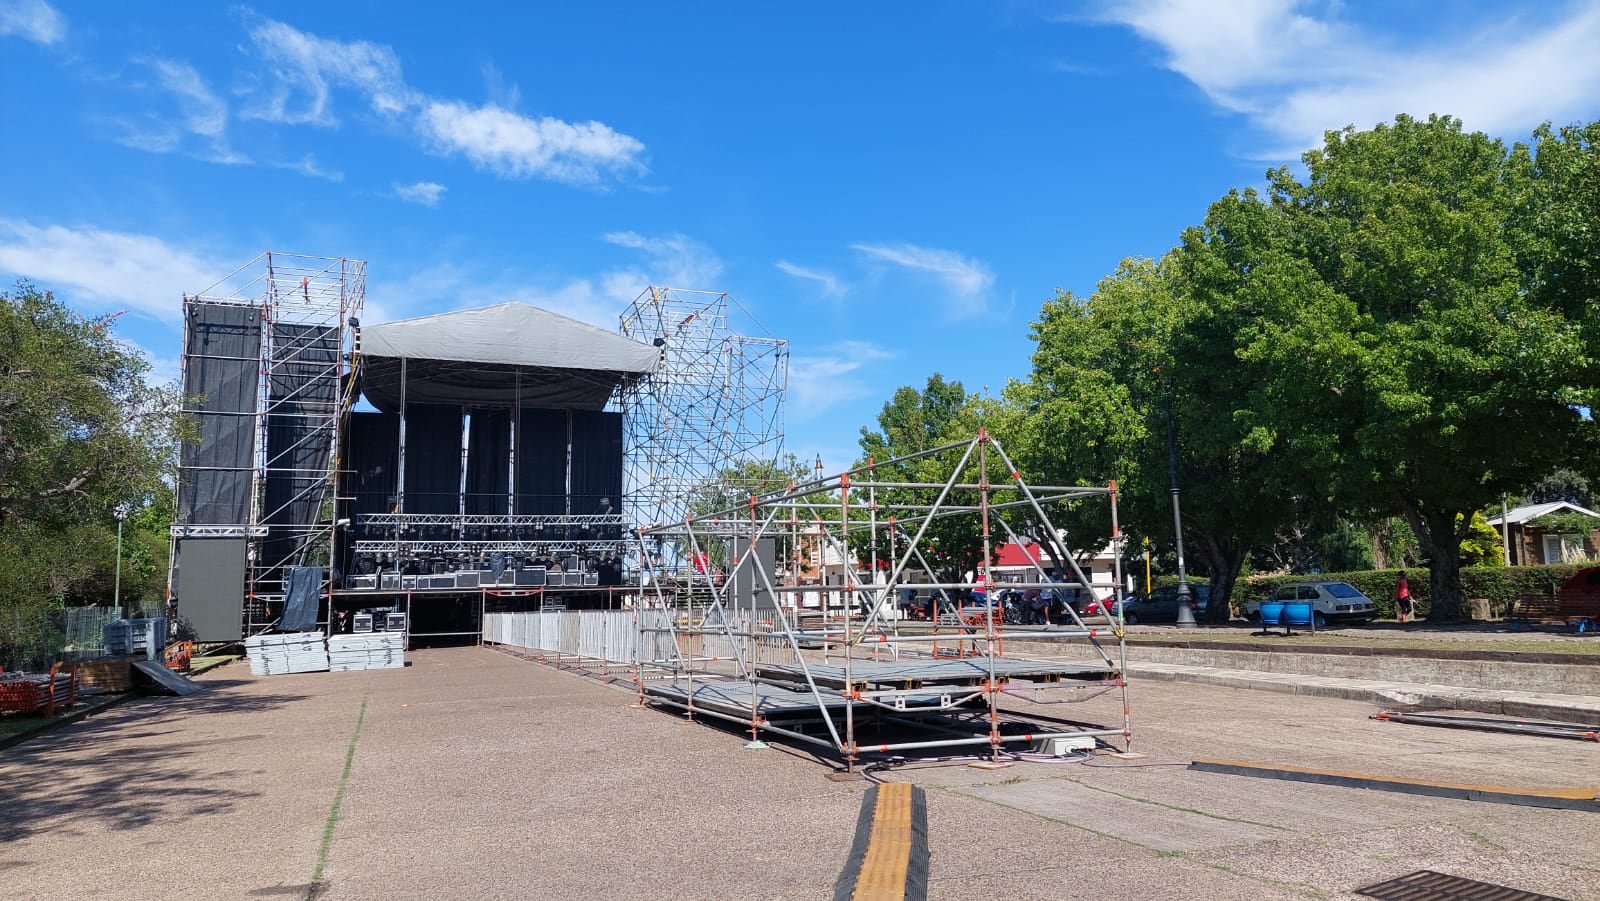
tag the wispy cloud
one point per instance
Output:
(304, 70)
(818, 383)
(669, 260)
(141, 272)
(33, 20)
(967, 280)
(830, 283)
(672, 261)
(510, 144)
(200, 127)
(204, 113)
(1295, 69)
(310, 168)
(426, 193)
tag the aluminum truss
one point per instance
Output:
(752, 663)
(309, 308)
(716, 400)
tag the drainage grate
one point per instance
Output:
(1426, 885)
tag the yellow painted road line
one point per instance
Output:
(883, 870)
(889, 860)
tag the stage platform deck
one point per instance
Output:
(733, 699)
(903, 674)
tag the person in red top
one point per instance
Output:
(1402, 598)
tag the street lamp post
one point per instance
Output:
(1185, 610)
(121, 512)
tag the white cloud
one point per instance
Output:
(201, 113)
(204, 113)
(510, 144)
(820, 382)
(968, 280)
(1295, 70)
(830, 283)
(141, 272)
(427, 193)
(675, 261)
(32, 20)
(671, 260)
(305, 67)
(310, 168)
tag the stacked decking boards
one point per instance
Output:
(290, 652)
(369, 650)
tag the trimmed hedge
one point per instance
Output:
(1499, 585)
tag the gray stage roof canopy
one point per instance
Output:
(497, 355)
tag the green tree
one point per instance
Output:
(1559, 223)
(1162, 364)
(912, 422)
(1455, 381)
(81, 431)
(1482, 546)
(730, 493)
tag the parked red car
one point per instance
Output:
(1578, 599)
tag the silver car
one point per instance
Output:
(1331, 602)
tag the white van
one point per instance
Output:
(1331, 602)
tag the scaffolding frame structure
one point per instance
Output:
(309, 309)
(706, 648)
(715, 400)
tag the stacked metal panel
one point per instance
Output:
(289, 652)
(141, 636)
(370, 650)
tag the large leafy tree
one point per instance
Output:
(81, 431)
(1560, 224)
(911, 422)
(1153, 369)
(1450, 382)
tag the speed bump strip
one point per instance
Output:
(889, 859)
(1563, 798)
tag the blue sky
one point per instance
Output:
(895, 188)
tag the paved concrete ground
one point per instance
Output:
(479, 775)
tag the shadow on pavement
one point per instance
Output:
(106, 770)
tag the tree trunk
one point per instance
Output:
(1223, 557)
(1440, 532)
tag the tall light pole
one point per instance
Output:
(1185, 610)
(121, 512)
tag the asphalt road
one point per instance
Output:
(475, 774)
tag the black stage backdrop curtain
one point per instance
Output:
(596, 461)
(222, 372)
(542, 462)
(372, 455)
(303, 389)
(433, 458)
(488, 462)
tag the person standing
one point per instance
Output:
(1037, 606)
(1402, 598)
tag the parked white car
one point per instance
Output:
(1331, 602)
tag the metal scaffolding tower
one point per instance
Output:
(837, 665)
(267, 363)
(715, 401)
